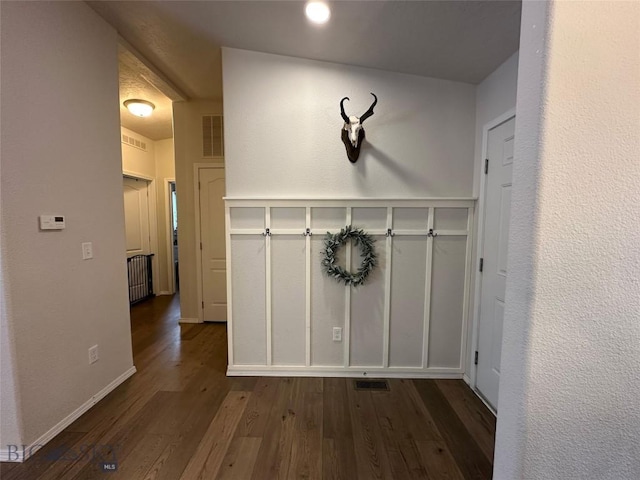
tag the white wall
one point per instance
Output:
(495, 96)
(282, 139)
(60, 154)
(571, 351)
(136, 161)
(187, 121)
(165, 168)
(10, 413)
(282, 130)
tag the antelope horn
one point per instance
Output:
(344, 115)
(369, 112)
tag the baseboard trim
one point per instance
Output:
(253, 371)
(486, 403)
(165, 292)
(189, 320)
(27, 450)
(466, 379)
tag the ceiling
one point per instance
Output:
(456, 40)
(135, 82)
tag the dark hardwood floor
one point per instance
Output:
(180, 417)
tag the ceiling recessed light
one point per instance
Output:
(139, 108)
(318, 12)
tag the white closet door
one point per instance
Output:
(136, 215)
(494, 255)
(212, 236)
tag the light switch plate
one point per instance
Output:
(87, 250)
(337, 334)
(93, 354)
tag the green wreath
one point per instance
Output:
(332, 242)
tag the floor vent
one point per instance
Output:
(371, 385)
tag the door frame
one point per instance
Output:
(508, 115)
(153, 223)
(196, 180)
(168, 218)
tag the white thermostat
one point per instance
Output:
(52, 222)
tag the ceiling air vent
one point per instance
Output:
(212, 136)
(134, 142)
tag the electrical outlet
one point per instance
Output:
(93, 354)
(337, 334)
(87, 250)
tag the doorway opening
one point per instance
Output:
(172, 248)
(148, 155)
(139, 240)
(211, 256)
(491, 277)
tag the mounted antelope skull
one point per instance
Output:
(352, 131)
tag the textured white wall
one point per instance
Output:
(187, 121)
(10, 414)
(571, 351)
(60, 154)
(494, 96)
(282, 130)
(165, 168)
(136, 161)
(282, 139)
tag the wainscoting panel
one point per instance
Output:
(249, 299)
(450, 219)
(368, 310)
(447, 301)
(410, 218)
(327, 218)
(247, 218)
(408, 286)
(369, 218)
(327, 310)
(286, 218)
(407, 320)
(288, 299)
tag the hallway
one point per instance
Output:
(181, 417)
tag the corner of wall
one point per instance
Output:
(59, 304)
(187, 119)
(10, 411)
(511, 428)
(495, 96)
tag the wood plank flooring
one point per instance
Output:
(181, 418)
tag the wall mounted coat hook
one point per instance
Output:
(352, 131)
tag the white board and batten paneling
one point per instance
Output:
(408, 320)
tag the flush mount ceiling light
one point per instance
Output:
(318, 12)
(139, 108)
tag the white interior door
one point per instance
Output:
(494, 258)
(136, 216)
(212, 238)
